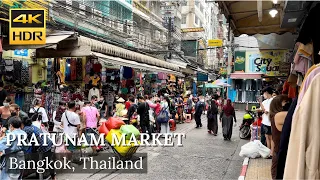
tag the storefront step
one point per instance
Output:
(259, 169)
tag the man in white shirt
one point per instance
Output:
(266, 123)
(71, 123)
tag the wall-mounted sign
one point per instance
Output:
(240, 61)
(200, 29)
(202, 77)
(266, 61)
(21, 52)
(215, 42)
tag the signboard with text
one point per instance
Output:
(200, 29)
(215, 42)
(266, 61)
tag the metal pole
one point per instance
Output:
(229, 54)
(169, 36)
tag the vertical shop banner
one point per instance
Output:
(240, 61)
(267, 62)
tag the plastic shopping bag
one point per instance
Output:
(263, 150)
(250, 150)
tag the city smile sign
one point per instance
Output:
(27, 27)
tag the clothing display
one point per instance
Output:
(73, 67)
(95, 80)
(93, 92)
(97, 67)
(79, 69)
(88, 67)
(62, 63)
(127, 72)
(68, 69)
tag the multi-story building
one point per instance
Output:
(194, 25)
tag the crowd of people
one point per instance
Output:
(75, 119)
(274, 109)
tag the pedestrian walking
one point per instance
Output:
(165, 127)
(198, 112)
(226, 117)
(143, 112)
(212, 116)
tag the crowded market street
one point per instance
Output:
(203, 156)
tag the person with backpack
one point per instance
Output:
(143, 112)
(198, 112)
(132, 111)
(71, 123)
(41, 150)
(164, 115)
(212, 116)
(38, 114)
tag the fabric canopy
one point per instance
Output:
(133, 64)
(246, 75)
(109, 49)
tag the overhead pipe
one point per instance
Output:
(259, 9)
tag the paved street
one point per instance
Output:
(203, 156)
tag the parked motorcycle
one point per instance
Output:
(248, 119)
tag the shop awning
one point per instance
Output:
(133, 64)
(109, 49)
(246, 75)
(51, 40)
(245, 19)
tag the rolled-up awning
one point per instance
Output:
(133, 64)
(108, 49)
(246, 75)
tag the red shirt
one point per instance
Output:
(257, 122)
(127, 104)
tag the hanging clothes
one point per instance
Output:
(127, 72)
(73, 67)
(9, 71)
(88, 67)
(17, 66)
(284, 139)
(79, 69)
(62, 66)
(25, 73)
(68, 69)
(304, 146)
(310, 32)
(94, 92)
(97, 67)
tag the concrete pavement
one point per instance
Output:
(203, 156)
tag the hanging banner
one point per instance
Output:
(215, 42)
(240, 61)
(267, 62)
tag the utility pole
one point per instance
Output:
(229, 53)
(169, 36)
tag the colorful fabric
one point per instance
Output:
(68, 69)
(88, 66)
(73, 67)
(79, 69)
(95, 80)
(63, 66)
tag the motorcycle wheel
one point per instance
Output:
(244, 132)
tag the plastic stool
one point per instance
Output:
(188, 118)
(172, 124)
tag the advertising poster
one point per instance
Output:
(240, 61)
(266, 62)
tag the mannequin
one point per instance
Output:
(94, 92)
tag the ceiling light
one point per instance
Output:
(275, 1)
(273, 12)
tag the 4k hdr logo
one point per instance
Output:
(27, 26)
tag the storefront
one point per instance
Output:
(253, 71)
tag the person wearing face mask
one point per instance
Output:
(16, 111)
(5, 112)
(278, 112)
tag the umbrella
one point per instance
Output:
(219, 81)
(209, 85)
(223, 84)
